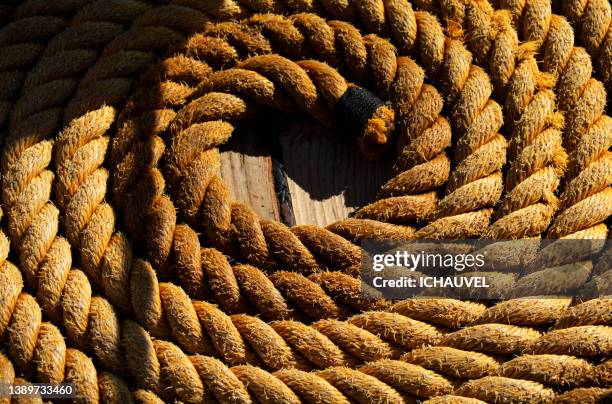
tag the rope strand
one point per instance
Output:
(583, 205)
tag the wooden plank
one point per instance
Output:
(328, 179)
(246, 167)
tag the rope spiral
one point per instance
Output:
(585, 199)
(537, 156)
(137, 136)
(593, 21)
(22, 41)
(221, 214)
(38, 349)
(135, 168)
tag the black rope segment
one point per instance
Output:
(353, 111)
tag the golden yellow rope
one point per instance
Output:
(372, 336)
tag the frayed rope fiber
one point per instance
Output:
(353, 111)
(114, 113)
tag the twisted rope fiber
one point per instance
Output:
(528, 219)
(464, 112)
(538, 158)
(140, 193)
(545, 212)
(32, 220)
(167, 305)
(494, 42)
(21, 320)
(38, 348)
(593, 21)
(257, 334)
(516, 338)
(137, 209)
(159, 31)
(585, 199)
(22, 42)
(183, 243)
(37, 117)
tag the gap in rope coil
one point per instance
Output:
(295, 170)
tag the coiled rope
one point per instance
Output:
(87, 143)
(38, 348)
(22, 41)
(585, 200)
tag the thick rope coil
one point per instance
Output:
(585, 199)
(21, 321)
(22, 41)
(297, 345)
(8, 377)
(166, 222)
(557, 371)
(79, 146)
(538, 158)
(39, 351)
(106, 254)
(592, 19)
(126, 175)
(51, 83)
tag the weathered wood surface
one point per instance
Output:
(246, 167)
(327, 179)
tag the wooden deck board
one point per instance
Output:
(327, 179)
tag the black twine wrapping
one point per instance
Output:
(353, 111)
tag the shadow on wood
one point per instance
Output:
(327, 178)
